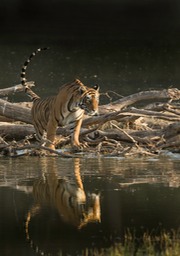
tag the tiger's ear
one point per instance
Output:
(96, 87)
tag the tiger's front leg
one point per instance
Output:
(75, 137)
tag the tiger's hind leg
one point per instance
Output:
(51, 134)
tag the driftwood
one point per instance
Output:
(120, 129)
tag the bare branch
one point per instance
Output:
(14, 89)
(171, 94)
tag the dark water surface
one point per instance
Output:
(138, 195)
(115, 66)
(125, 47)
(124, 62)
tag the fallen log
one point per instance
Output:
(95, 135)
(15, 131)
(159, 124)
(171, 94)
(15, 112)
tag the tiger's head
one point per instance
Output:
(89, 99)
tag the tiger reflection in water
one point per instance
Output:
(73, 205)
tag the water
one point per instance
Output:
(122, 52)
(137, 195)
(116, 44)
(113, 65)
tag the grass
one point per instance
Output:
(164, 244)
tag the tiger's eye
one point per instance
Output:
(88, 98)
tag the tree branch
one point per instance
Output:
(14, 89)
(172, 94)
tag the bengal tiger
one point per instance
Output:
(68, 106)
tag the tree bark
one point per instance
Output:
(15, 112)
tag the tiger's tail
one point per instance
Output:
(29, 92)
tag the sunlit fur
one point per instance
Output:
(68, 106)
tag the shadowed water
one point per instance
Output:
(114, 66)
(138, 195)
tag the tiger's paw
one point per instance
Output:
(79, 147)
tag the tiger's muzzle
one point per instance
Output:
(90, 112)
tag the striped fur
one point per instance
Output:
(68, 106)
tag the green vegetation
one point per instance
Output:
(165, 244)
